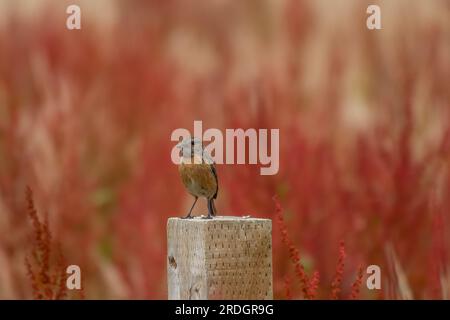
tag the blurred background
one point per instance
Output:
(364, 118)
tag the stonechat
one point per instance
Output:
(198, 173)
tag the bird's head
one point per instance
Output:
(190, 146)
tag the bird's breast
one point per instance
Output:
(198, 179)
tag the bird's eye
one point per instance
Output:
(192, 143)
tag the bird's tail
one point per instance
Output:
(212, 207)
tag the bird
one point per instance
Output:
(198, 174)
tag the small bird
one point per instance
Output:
(198, 173)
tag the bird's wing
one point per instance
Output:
(213, 169)
(207, 159)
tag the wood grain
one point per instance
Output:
(220, 258)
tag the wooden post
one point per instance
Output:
(219, 258)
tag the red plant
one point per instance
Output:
(294, 253)
(337, 281)
(364, 137)
(313, 285)
(309, 287)
(356, 286)
(48, 280)
(287, 287)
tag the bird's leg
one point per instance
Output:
(190, 211)
(210, 209)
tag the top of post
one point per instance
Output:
(221, 219)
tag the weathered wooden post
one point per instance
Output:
(220, 258)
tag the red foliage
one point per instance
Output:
(287, 287)
(48, 281)
(309, 287)
(313, 285)
(356, 286)
(337, 281)
(364, 139)
(294, 253)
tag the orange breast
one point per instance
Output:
(198, 179)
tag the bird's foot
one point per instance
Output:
(188, 217)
